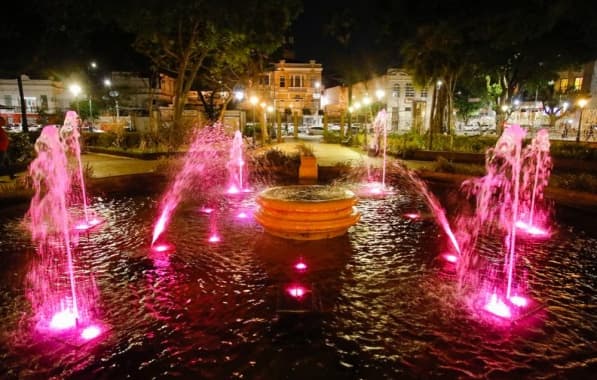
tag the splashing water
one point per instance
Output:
(202, 161)
(433, 203)
(501, 196)
(379, 144)
(535, 177)
(59, 302)
(236, 166)
(69, 134)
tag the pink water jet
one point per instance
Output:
(70, 137)
(59, 298)
(202, 160)
(435, 206)
(535, 175)
(236, 166)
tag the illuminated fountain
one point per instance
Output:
(63, 301)
(378, 144)
(202, 161)
(535, 177)
(498, 197)
(69, 134)
(237, 167)
(309, 212)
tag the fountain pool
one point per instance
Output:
(207, 310)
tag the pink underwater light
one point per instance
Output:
(162, 247)
(412, 215)
(214, 238)
(300, 266)
(451, 258)
(63, 320)
(519, 301)
(296, 291)
(90, 332)
(497, 307)
(207, 210)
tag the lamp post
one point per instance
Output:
(317, 95)
(75, 89)
(92, 66)
(581, 103)
(114, 95)
(254, 100)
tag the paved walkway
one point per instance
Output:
(107, 165)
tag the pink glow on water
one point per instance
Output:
(412, 215)
(85, 225)
(214, 238)
(63, 320)
(451, 258)
(233, 190)
(300, 266)
(91, 332)
(497, 307)
(296, 291)
(519, 301)
(162, 247)
(242, 215)
(531, 230)
(207, 210)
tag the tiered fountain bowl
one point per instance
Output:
(309, 212)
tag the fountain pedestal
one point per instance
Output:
(310, 212)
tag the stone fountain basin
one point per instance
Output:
(308, 212)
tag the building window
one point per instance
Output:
(282, 81)
(563, 85)
(296, 81)
(396, 90)
(395, 116)
(8, 100)
(424, 92)
(578, 83)
(31, 104)
(409, 90)
(44, 102)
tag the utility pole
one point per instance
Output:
(24, 126)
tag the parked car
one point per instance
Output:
(315, 130)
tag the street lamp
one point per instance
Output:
(75, 89)
(253, 100)
(581, 103)
(114, 95)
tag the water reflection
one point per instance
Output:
(212, 310)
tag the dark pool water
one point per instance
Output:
(381, 308)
